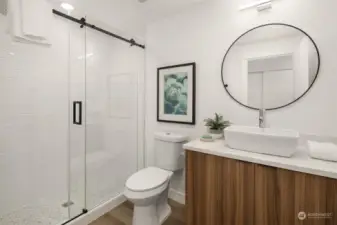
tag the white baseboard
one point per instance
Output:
(177, 196)
(106, 207)
(99, 211)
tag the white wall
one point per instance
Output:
(204, 33)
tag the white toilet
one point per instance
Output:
(148, 188)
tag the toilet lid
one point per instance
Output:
(147, 179)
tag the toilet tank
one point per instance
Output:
(168, 150)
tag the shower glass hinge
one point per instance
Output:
(67, 204)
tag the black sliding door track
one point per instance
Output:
(83, 23)
(84, 211)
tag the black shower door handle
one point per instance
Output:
(77, 113)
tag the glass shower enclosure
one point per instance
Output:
(68, 123)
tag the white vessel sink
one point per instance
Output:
(269, 141)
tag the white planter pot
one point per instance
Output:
(216, 134)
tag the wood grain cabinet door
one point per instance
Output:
(331, 206)
(265, 195)
(316, 197)
(204, 189)
(219, 191)
(280, 195)
(238, 192)
(274, 196)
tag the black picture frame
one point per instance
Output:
(193, 99)
(288, 104)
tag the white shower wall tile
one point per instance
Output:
(111, 140)
(32, 135)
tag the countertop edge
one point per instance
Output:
(298, 163)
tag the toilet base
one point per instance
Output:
(164, 215)
(147, 215)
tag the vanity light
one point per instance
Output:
(260, 5)
(264, 6)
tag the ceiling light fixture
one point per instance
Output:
(68, 7)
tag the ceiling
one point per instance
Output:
(129, 16)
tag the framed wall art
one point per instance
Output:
(176, 94)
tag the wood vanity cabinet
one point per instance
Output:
(223, 191)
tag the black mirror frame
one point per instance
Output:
(264, 25)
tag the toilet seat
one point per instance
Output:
(148, 179)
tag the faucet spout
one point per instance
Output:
(262, 118)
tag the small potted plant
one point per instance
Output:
(216, 126)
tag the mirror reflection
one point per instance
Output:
(270, 66)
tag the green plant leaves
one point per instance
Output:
(217, 123)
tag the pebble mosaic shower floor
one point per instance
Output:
(35, 215)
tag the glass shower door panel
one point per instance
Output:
(33, 129)
(77, 122)
(112, 72)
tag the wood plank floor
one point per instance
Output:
(122, 215)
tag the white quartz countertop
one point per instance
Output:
(300, 161)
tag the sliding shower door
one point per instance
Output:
(42, 162)
(77, 84)
(113, 69)
(33, 130)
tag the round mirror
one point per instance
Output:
(270, 66)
